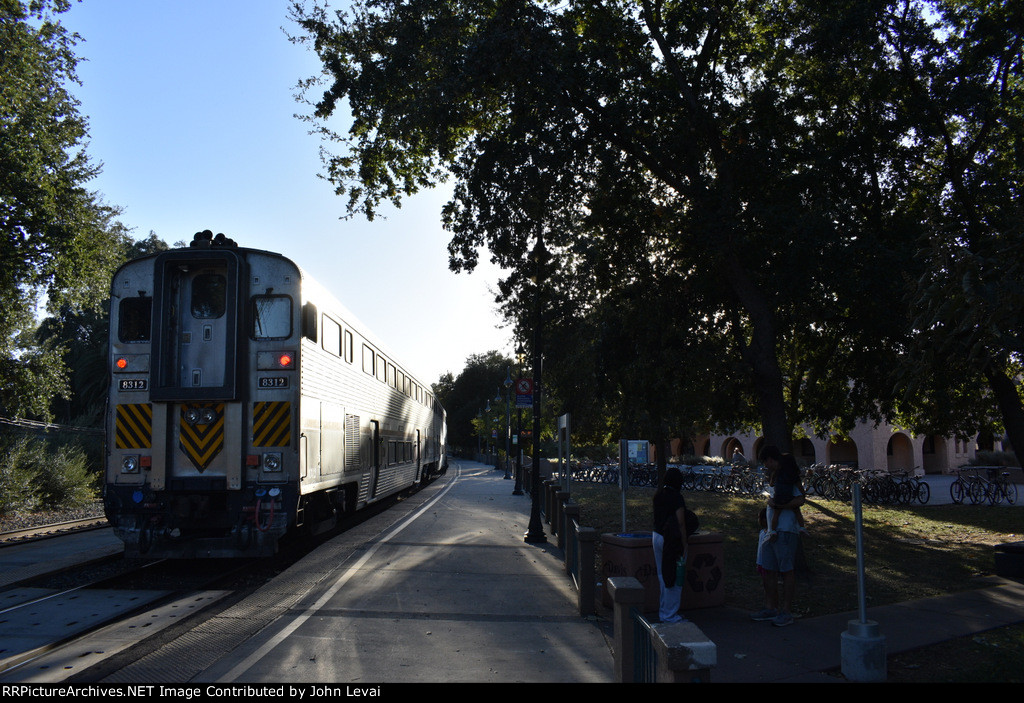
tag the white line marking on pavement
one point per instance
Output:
(297, 622)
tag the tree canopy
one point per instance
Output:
(762, 161)
(58, 241)
(465, 396)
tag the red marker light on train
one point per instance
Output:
(122, 363)
(285, 360)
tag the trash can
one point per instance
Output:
(630, 554)
(705, 572)
(1010, 559)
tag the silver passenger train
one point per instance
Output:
(246, 402)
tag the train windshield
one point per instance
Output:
(271, 317)
(209, 296)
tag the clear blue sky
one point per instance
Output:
(191, 112)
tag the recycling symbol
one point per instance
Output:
(704, 574)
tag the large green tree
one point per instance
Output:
(963, 67)
(58, 240)
(464, 397)
(753, 141)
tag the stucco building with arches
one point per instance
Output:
(882, 447)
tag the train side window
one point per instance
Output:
(271, 317)
(135, 319)
(348, 347)
(368, 360)
(209, 296)
(332, 336)
(309, 321)
(382, 369)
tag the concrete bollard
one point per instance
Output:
(570, 514)
(587, 537)
(863, 652)
(685, 654)
(626, 593)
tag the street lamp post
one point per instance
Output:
(535, 532)
(485, 428)
(508, 419)
(518, 490)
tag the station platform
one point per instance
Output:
(439, 588)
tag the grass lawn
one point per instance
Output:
(909, 552)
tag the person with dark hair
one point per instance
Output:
(778, 553)
(670, 543)
(785, 485)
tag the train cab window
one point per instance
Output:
(271, 317)
(134, 319)
(209, 296)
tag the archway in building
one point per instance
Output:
(899, 454)
(841, 451)
(803, 451)
(934, 457)
(985, 441)
(755, 455)
(682, 448)
(731, 447)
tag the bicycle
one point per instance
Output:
(998, 488)
(960, 489)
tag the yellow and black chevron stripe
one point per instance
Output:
(271, 424)
(133, 426)
(201, 443)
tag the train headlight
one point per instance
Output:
(130, 464)
(207, 416)
(272, 462)
(192, 416)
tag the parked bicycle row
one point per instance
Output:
(732, 479)
(994, 487)
(974, 485)
(835, 482)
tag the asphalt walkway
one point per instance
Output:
(811, 649)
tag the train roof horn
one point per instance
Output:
(206, 240)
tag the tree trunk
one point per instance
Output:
(761, 354)
(1009, 401)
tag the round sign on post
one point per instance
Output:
(524, 393)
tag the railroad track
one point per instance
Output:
(52, 530)
(89, 627)
(46, 634)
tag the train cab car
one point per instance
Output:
(246, 402)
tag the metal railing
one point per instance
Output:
(645, 658)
